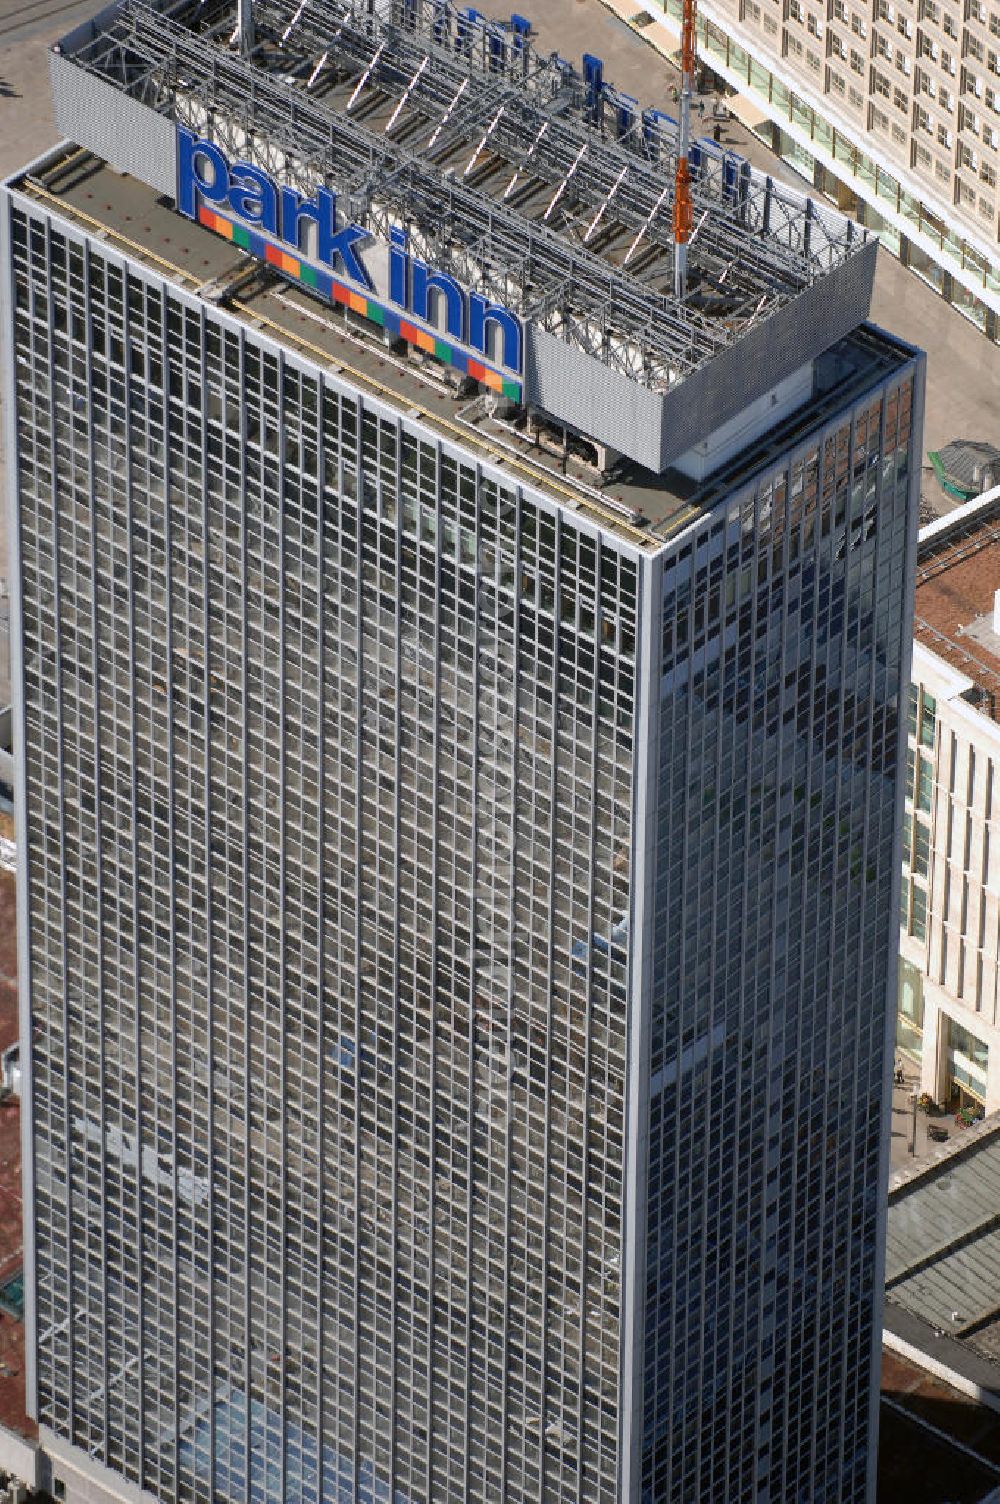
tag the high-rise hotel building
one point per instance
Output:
(458, 705)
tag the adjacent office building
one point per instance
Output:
(459, 691)
(892, 107)
(949, 968)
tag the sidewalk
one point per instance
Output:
(902, 1125)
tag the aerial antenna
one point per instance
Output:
(245, 26)
(683, 212)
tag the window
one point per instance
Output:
(840, 10)
(928, 719)
(795, 10)
(944, 136)
(910, 1006)
(857, 62)
(968, 1058)
(859, 27)
(883, 47)
(924, 786)
(905, 27)
(974, 47)
(900, 100)
(881, 84)
(814, 26)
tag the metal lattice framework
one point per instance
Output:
(499, 161)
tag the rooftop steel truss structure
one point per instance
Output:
(511, 171)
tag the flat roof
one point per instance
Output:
(943, 1240)
(644, 507)
(958, 574)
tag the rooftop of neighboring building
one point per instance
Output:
(935, 1442)
(958, 576)
(943, 1247)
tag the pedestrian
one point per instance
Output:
(701, 109)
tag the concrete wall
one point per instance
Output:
(82, 1480)
(19, 1457)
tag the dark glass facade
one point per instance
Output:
(785, 633)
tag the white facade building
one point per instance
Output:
(949, 974)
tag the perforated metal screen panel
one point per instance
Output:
(127, 134)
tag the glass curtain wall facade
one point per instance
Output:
(328, 750)
(784, 633)
(459, 941)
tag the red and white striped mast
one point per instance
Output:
(683, 212)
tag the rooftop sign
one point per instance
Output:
(305, 239)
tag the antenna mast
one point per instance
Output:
(244, 25)
(683, 212)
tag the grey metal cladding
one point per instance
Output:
(656, 428)
(609, 407)
(803, 329)
(127, 134)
